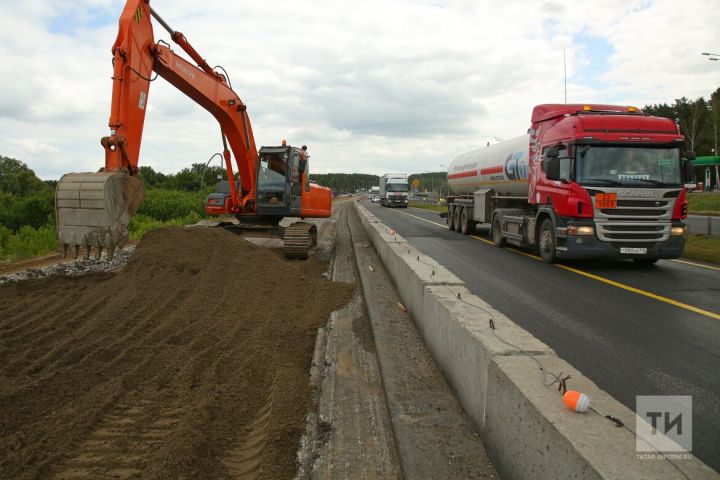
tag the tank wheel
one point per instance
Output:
(546, 241)
(451, 217)
(467, 226)
(497, 236)
(645, 261)
(456, 218)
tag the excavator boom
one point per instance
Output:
(94, 209)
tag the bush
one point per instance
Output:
(167, 205)
(27, 242)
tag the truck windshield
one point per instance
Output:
(397, 187)
(627, 166)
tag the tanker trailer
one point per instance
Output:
(587, 181)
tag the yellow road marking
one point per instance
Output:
(696, 264)
(599, 278)
(530, 255)
(483, 239)
(640, 292)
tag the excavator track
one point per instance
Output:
(298, 239)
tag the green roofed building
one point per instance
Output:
(707, 172)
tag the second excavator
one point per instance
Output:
(94, 209)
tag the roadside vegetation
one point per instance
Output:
(27, 205)
(435, 208)
(703, 247)
(704, 203)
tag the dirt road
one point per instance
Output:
(192, 362)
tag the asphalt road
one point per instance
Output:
(634, 330)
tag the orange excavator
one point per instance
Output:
(94, 209)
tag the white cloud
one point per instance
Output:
(370, 86)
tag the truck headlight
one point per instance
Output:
(677, 231)
(584, 230)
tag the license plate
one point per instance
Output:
(605, 200)
(638, 251)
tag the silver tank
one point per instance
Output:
(502, 167)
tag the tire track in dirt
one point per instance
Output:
(196, 353)
(121, 444)
(243, 462)
(26, 314)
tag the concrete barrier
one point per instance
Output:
(493, 370)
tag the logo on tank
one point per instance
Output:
(516, 166)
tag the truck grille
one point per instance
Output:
(635, 220)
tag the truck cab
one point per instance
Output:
(610, 180)
(394, 190)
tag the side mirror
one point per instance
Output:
(689, 169)
(552, 152)
(302, 166)
(552, 167)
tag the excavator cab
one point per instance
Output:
(279, 188)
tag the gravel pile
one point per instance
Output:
(73, 269)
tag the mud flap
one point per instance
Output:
(94, 210)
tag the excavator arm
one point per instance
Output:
(94, 209)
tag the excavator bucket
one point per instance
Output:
(94, 210)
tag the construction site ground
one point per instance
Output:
(208, 356)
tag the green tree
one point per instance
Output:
(151, 177)
(17, 179)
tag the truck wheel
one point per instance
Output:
(467, 226)
(497, 236)
(456, 218)
(451, 217)
(546, 241)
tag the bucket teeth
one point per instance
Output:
(94, 210)
(109, 246)
(86, 247)
(96, 245)
(94, 242)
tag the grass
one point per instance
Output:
(703, 247)
(434, 208)
(141, 224)
(704, 203)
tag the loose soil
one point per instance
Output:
(191, 362)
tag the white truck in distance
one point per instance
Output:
(394, 190)
(374, 194)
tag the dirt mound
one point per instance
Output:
(192, 362)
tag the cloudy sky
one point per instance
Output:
(370, 86)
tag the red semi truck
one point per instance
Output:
(587, 181)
